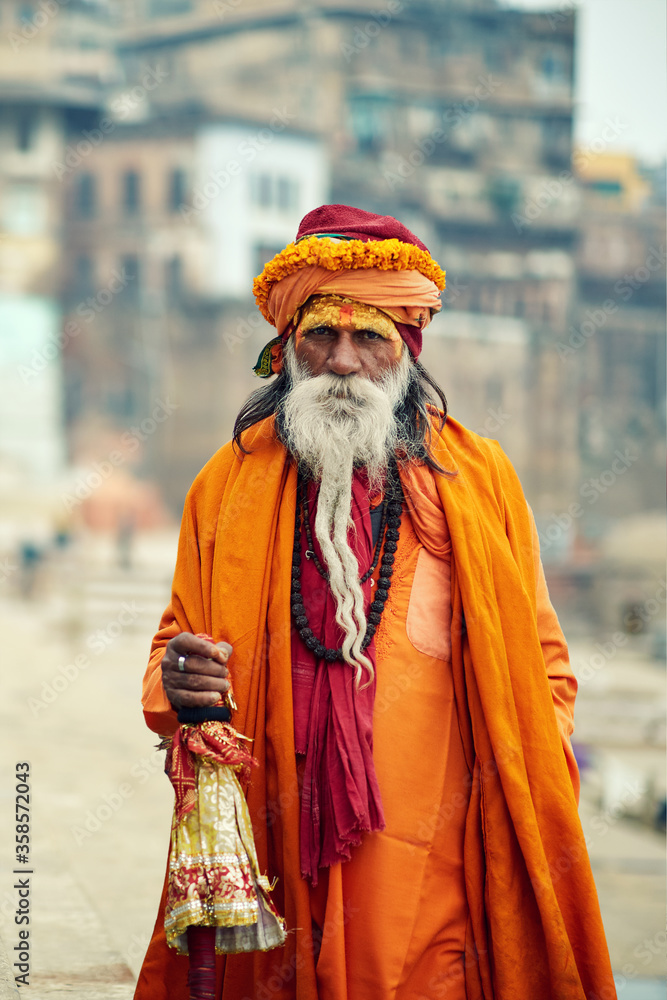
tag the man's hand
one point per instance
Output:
(203, 678)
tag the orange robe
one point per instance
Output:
(479, 887)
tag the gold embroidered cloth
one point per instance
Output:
(214, 877)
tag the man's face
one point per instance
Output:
(340, 338)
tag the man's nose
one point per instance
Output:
(344, 356)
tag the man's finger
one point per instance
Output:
(195, 682)
(195, 665)
(187, 643)
(191, 699)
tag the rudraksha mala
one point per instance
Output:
(387, 540)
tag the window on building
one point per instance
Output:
(370, 121)
(274, 192)
(166, 8)
(83, 278)
(557, 142)
(131, 272)
(496, 55)
(177, 189)
(264, 190)
(552, 67)
(121, 401)
(25, 131)
(26, 12)
(85, 195)
(608, 188)
(131, 192)
(173, 279)
(287, 194)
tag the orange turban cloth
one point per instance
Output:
(355, 254)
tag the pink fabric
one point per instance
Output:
(333, 720)
(406, 296)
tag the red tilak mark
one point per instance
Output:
(346, 312)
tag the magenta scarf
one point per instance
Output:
(333, 720)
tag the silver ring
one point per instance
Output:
(181, 663)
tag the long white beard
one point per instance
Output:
(330, 424)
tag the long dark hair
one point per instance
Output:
(414, 414)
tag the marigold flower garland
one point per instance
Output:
(387, 255)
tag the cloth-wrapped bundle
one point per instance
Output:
(214, 876)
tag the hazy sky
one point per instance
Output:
(620, 71)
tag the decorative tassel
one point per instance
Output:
(270, 360)
(214, 883)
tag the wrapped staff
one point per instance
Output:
(217, 899)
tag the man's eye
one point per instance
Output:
(321, 331)
(371, 335)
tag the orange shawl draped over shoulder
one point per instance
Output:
(535, 929)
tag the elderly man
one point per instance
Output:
(370, 574)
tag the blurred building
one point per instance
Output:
(52, 73)
(455, 117)
(614, 352)
(616, 345)
(218, 124)
(169, 219)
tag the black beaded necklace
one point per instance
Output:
(389, 532)
(312, 554)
